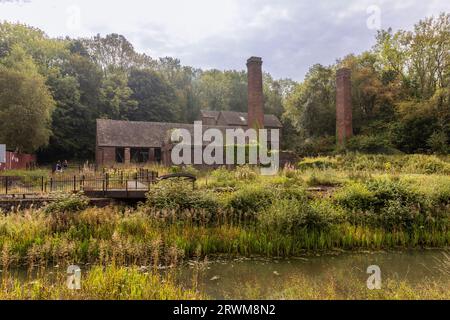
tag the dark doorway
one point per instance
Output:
(139, 155)
(120, 155)
(158, 155)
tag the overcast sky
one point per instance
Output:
(290, 35)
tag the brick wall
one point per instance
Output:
(105, 155)
(255, 93)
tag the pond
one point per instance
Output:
(224, 279)
(260, 278)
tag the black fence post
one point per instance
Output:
(42, 184)
(51, 184)
(6, 184)
(74, 183)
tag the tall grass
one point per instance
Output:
(99, 283)
(125, 237)
(339, 286)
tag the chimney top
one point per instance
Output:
(343, 72)
(254, 60)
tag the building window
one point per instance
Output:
(139, 155)
(158, 155)
(120, 155)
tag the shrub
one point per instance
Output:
(288, 216)
(64, 203)
(426, 164)
(355, 196)
(251, 199)
(370, 144)
(386, 190)
(222, 178)
(323, 178)
(438, 142)
(317, 163)
(180, 196)
(395, 215)
(245, 173)
(184, 169)
(317, 146)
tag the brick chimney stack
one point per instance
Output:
(255, 93)
(344, 127)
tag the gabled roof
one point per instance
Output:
(140, 134)
(233, 118)
(210, 114)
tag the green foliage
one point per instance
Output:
(392, 204)
(221, 178)
(317, 163)
(370, 144)
(180, 196)
(251, 199)
(67, 203)
(245, 173)
(399, 88)
(290, 216)
(186, 169)
(426, 164)
(438, 142)
(355, 196)
(25, 104)
(156, 100)
(315, 146)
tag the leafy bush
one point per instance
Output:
(395, 215)
(426, 164)
(355, 196)
(317, 163)
(245, 173)
(64, 203)
(252, 198)
(317, 146)
(386, 190)
(370, 144)
(287, 216)
(416, 163)
(324, 178)
(222, 178)
(180, 196)
(387, 203)
(438, 142)
(184, 169)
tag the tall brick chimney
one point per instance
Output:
(255, 93)
(344, 127)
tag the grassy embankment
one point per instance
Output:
(373, 202)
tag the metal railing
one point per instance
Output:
(21, 185)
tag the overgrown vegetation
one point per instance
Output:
(240, 212)
(99, 283)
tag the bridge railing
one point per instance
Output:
(24, 185)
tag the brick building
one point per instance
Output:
(141, 142)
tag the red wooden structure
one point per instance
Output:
(16, 160)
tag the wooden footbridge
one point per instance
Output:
(118, 185)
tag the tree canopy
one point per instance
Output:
(53, 90)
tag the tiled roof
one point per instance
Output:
(233, 118)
